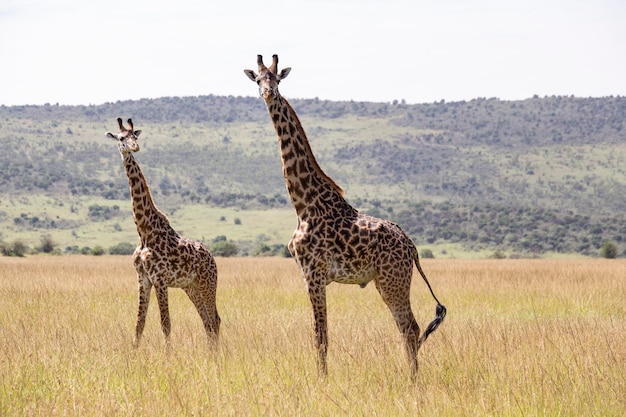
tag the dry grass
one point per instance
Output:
(522, 337)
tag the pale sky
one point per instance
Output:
(92, 52)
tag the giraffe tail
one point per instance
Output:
(440, 311)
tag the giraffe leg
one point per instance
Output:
(162, 298)
(144, 299)
(317, 294)
(210, 306)
(211, 325)
(209, 295)
(399, 303)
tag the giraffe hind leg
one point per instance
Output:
(399, 303)
(211, 324)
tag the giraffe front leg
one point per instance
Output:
(317, 294)
(144, 299)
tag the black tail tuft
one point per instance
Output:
(441, 311)
(440, 314)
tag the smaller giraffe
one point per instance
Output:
(164, 258)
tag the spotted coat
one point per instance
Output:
(333, 241)
(164, 258)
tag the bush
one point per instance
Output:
(284, 251)
(122, 248)
(97, 251)
(426, 254)
(498, 254)
(101, 213)
(224, 248)
(47, 244)
(608, 250)
(263, 250)
(72, 250)
(15, 248)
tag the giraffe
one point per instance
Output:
(334, 242)
(164, 258)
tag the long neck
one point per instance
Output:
(146, 215)
(308, 186)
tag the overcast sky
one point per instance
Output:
(91, 52)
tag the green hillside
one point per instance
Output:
(529, 178)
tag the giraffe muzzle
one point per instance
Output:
(268, 92)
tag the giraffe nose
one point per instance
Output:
(266, 92)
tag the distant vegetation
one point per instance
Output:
(519, 177)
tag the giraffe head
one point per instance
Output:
(268, 78)
(127, 138)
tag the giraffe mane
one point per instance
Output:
(308, 149)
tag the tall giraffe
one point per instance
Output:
(164, 258)
(333, 241)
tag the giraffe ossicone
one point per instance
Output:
(334, 242)
(164, 258)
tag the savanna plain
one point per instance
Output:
(522, 338)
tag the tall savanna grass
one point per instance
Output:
(522, 338)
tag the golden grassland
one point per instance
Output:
(522, 337)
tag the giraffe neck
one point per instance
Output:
(309, 187)
(150, 221)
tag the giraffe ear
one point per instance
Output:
(137, 133)
(284, 73)
(112, 136)
(251, 74)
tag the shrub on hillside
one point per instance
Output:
(122, 248)
(608, 250)
(47, 244)
(224, 248)
(15, 248)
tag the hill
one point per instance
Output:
(531, 177)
